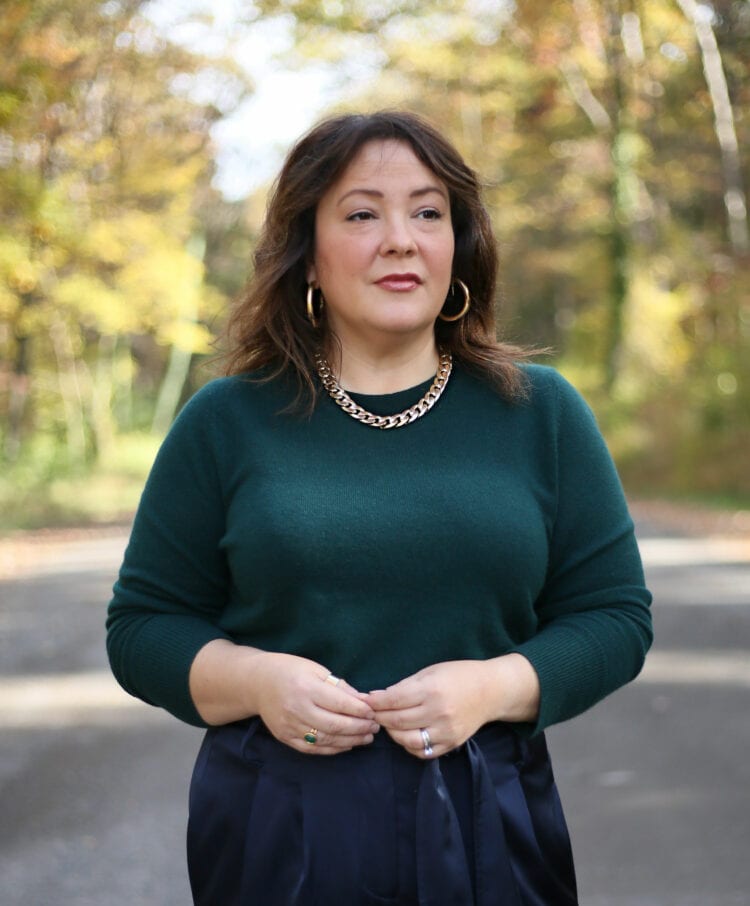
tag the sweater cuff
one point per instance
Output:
(165, 651)
(559, 670)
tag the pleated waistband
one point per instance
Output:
(520, 853)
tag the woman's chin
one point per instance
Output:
(405, 324)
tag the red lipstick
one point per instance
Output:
(399, 282)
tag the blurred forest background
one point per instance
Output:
(612, 135)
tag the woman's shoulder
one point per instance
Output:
(225, 405)
(244, 389)
(553, 400)
(542, 389)
(546, 384)
(543, 378)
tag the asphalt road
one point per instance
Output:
(93, 785)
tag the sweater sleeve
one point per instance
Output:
(173, 583)
(594, 610)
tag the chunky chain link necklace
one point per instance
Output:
(342, 398)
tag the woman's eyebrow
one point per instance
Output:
(376, 193)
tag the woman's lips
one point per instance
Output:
(399, 282)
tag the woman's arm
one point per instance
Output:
(593, 618)
(594, 621)
(230, 682)
(173, 584)
(164, 630)
(452, 700)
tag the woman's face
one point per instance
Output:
(383, 249)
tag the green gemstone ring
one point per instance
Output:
(311, 737)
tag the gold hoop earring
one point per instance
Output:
(311, 316)
(467, 303)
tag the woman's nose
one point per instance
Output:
(397, 238)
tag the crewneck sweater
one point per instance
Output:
(485, 527)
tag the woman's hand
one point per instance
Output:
(292, 695)
(453, 699)
(295, 697)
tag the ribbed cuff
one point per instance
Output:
(572, 670)
(165, 651)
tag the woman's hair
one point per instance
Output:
(269, 327)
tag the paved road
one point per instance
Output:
(656, 781)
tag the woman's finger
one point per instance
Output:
(409, 693)
(342, 699)
(333, 724)
(415, 744)
(312, 742)
(409, 719)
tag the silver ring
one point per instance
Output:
(333, 680)
(427, 742)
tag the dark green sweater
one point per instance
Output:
(484, 527)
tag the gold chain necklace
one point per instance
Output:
(342, 398)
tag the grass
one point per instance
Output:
(42, 490)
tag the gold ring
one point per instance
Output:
(333, 680)
(311, 737)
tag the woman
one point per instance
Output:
(382, 541)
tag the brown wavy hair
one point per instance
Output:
(269, 329)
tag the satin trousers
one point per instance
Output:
(480, 826)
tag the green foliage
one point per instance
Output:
(41, 488)
(105, 167)
(592, 122)
(595, 128)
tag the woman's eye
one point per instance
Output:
(359, 216)
(430, 214)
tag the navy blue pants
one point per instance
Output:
(482, 825)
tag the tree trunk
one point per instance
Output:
(20, 386)
(619, 239)
(179, 359)
(101, 396)
(735, 198)
(70, 391)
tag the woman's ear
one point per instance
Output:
(312, 274)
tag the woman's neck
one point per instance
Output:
(388, 370)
